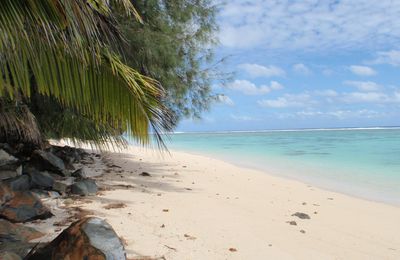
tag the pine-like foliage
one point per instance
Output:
(176, 44)
(69, 50)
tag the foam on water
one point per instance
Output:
(362, 162)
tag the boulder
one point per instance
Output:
(47, 161)
(10, 166)
(40, 179)
(84, 187)
(10, 171)
(61, 187)
(6, 158)
(10, 232)
(89, 238)
(22, 206)
(80, 173)
(19, 183)
(7, 255)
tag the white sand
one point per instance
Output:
(219, 206)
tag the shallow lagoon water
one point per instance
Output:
(360, 162)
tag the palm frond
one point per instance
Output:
(63, 50)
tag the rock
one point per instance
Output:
(89, 238)
(301, 215)
(9, 256)
(293, 223)
(84, 187)
(6, 158)
(10, 171)
(145, 174)
(80, 173)
(40, 180)
(47, 161)
(10, 232)
(23, 206)
(61, 187)
(6, 147)
(19, 183)
(10, 166)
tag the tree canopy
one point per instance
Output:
(70, 51)
(175, 46)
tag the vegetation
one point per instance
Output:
(175, 47)
(69, 51)
(92, 70)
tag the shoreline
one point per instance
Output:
(276, 171)
(194, 207)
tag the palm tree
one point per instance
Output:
(70, 52)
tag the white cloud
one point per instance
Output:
(256, 70)
(301, 69)
(363, 97)
(326, 93)
(249, 88)
(363, 85)
(363, 113)
(243, 118)
(288, 100)
(225, 100)
(362, 70)
(310, 24)
(338, 114)
(327, 72)
(388, 57)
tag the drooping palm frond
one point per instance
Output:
(57, 122)
(64, 49)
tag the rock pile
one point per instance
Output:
(28, 174)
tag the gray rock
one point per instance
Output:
(145, 174)
(39, 179)
(301, 215)
(6, 158)
(84, 187)
(22, 206)
(10, 232)
(61, 187)
(80, 173)
(10, 171)
(90, 238)
(10, 166)
(48, 162)
(103, 237)
(7, 255)
(19, 183)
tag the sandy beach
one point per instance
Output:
(194, 207)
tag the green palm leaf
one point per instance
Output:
(66, 49)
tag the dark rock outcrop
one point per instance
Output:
(10, 166)
(84, 187)
(10, 232)
(46, 161)
(21, 206)
(7, 255)
(89, 238)
(40, 179)
(80, 173)
(19, 183)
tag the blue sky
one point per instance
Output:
(306, 64)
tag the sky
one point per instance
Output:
(306, 64)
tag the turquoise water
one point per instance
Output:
(360, 162)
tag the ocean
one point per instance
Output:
(360, 162)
